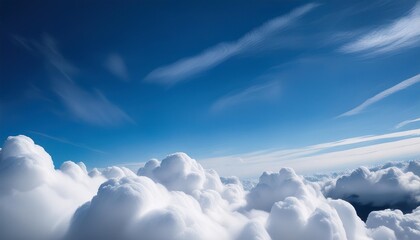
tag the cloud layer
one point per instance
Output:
(264, 91)
(175, 198)
(328, 156)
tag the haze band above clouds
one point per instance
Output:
(329, 156)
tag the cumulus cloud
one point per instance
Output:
(400, 34)
(213, 56)
(388, 186)
(37, 201)
(404, 226)
(297, 210)
(175, 198)
(385, 186)
(410, 166)
(178, 172)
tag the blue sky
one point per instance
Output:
(106, 82)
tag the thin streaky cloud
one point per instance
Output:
(256, 92)
(402, 124)
(65, 141)
(273, 154)
(400, 34)
(22, 42)
(400, 86)
(92, 107)
(49, 49)
(187, 67)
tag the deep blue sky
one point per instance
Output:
(115, 82)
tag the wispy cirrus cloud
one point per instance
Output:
(402, 124)
(264, 91)
(187, 67)
(116, 65)
(348, 152)
(400, 34)
(400, 86)
(65, 141)
(91, 107)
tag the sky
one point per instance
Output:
(241, 86)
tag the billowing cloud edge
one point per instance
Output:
(175, 198)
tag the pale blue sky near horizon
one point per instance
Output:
(118, 83)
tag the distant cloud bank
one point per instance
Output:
(177, 198)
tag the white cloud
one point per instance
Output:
(178, 172)
(400, 86)
(298, 211)
(37, 201)
(400, 34)
(88, 106)
(257, 92)
(322, 157)
(65, 141)
(187, 67)
(404, 226)
(116, 65)
(176, 199)
(93, 108)
(394, 185)
(410, 166)
(402, 124)
(48, 47)
(384, 187)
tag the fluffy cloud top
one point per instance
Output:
(388, 186)
(175, 198)
(404, 226)
(36, 200)
(385, 186)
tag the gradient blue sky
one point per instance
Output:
(111, 82)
